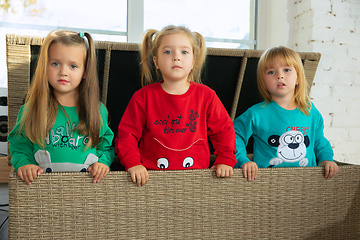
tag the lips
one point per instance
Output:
(62, 81)
(176, 67)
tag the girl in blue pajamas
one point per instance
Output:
(287, 128)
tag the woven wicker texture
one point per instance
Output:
(291, 203)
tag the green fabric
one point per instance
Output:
(62, 144)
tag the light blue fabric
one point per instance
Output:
(282, 138)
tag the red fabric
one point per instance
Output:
(158, 126)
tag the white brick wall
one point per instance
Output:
(332, 27)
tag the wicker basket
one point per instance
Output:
(282, 203)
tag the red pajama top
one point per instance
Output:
(164, 131)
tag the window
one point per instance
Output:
(230, 25)
(105, 20)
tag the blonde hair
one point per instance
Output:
(288, 57)
(150, 46)
(41, 101)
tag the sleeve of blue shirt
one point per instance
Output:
(243, 130)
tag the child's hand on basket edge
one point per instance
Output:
(139, 175)
(98, 171)
(29, 172)
(223, 170)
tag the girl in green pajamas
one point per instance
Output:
(63, 125)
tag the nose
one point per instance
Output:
(63, 71)
(176, 57)
(280, 76)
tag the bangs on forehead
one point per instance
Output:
(277, 56)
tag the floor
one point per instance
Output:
(4, 200)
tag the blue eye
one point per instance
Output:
(73, 66)
(287, 70)
(271, 72)
(55, 64)
(167, 52)
(185, 52)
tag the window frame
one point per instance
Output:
(135, 26)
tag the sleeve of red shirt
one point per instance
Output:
(129, 133)
(221, 133)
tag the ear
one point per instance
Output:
(306, 141)
(155, 62)
(273, 140)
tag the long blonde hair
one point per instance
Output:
(287, 57)
(150, 46)
(40, 110)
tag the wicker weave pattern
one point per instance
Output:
(291, 203)
(18, 63)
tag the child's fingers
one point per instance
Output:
(145, 177)
(106, 171)
(29, 175)
(231, 172)
(245, 172)
(101, 174)
(219, 172)
(139, 175)
(133, 177)
(40, 171)
(26, 179)
(98, 171)
(333, 169)
(227, 172)
(223, 170)
(250, 174)
(255, 171)
(140, 179)
(250, 170)
(327, 170)
(21, 175)
(95, 174)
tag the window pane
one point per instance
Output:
(38, 18)
(105, 15)
(228, 19)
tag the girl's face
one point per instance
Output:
(65, 69)
(175, 57)
(280, 80)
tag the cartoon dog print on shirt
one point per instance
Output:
(291, 147)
